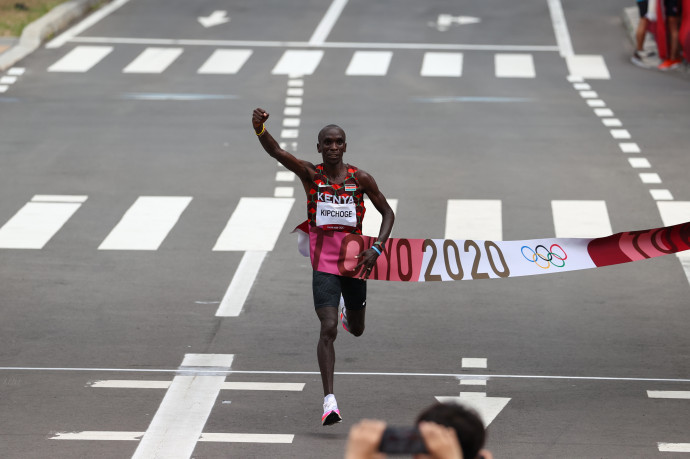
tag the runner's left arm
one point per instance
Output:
(367, 259)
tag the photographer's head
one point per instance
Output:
(467, 424)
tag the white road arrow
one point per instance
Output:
(214, 19)
(444, 21)
(487, 407)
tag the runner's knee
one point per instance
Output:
(329, 329)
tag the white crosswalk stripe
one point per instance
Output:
(474, 219)
(38, 221)
(222, 61)
(581, 219)
(514, 66)
(153, 60)
(81, 59)
(225, 62)
(442, 65)
(372, 63)
(146, 224)
(294, 62)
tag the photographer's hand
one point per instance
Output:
(364, 439)
(441, 442)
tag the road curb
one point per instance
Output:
(57, 20)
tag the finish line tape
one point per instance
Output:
(427, 260)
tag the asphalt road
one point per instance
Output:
(574, 353)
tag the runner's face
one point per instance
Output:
(332, 145)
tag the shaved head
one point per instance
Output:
(327, 128)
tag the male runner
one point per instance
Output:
(334, 203)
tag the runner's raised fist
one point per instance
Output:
(259, 117)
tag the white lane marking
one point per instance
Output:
(675, 394)
(242, 282)
(601, 112)
(225, 62)
(620, 134)
(629, 147)
(327, 22)
(295, 92)
(146, 223)
(16, 71)
(255, 225)
(474, 219)
(58, 198)
(8, 80)
(204, 437)
(472, 394)
(246, 438)
(639, 163)
(612, 122)
(661, 195)
(575, 79)
(289, 133)
(471, 362)
(442, 64)
(293, 101)
(81, 59)
(85, 24)
(588, 66)
(292, 111)
(371, 225)
(283, 192)
(674, 213)
(650, 177)
(589, 94)
(295, 83)
(37, 222)
(473, 382)
(514, 66)
(98, 435)
(228, 385)
(291, 122)
(181, 416)
(304, 44)
(674, 447)
(4, 88)
(285, 176)
(345, 373)
(596, 103)
(372, 63)
(583, 219)
(297, 61)
(582, 86)
(153, 60)
(560, 28)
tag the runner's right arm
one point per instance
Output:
(303, 169)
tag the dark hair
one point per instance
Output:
(466, 422)
(327, 127)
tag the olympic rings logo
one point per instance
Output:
(546, 257)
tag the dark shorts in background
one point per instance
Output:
(327, 289)
(643, 5)
(672, 8)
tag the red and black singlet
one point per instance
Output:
(336, 206)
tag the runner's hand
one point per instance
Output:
(259, 117)
(367, 260)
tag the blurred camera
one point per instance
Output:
(402, 440)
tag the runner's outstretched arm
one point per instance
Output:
(299, 167)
